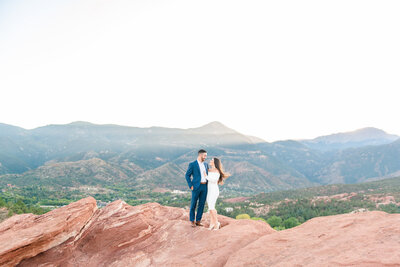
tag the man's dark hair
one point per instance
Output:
(201, 151)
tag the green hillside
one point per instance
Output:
(81, 153)
(304, 204)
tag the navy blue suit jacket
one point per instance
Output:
(194, 170)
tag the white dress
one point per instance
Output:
(212, 189)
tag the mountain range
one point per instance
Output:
(83, 153)
(363, 137)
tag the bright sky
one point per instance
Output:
(274, 69)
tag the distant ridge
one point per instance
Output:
(358, 138)
(81, 123)
(6, 129)
(368, 133)
(214, 127)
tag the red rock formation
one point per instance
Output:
(25, 236)
(236, 199)
(155, 235)
(360, 239)
(150, 234)
(383, 200)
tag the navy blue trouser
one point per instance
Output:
(199, 194)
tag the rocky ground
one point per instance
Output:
(80, 234)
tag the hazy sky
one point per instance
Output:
(274, 69)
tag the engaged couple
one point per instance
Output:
(204, 186)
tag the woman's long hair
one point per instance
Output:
(223, 175)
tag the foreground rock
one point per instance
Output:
(25, 236)
(149, 234)
(155, 235)
(360, 239)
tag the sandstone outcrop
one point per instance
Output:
(27, 235)
(359, 239)
(154, 235)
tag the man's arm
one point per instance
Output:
(189, 173)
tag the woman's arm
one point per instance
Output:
(212, 178)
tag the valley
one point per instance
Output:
(54, 165)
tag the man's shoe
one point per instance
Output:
(199, 224)
(193, 224)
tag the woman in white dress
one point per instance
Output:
(216, 175)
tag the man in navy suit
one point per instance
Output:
(198, 169)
